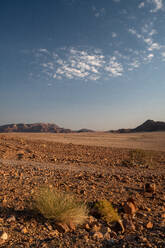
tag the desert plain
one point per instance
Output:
(93, 167)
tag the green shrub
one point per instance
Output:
(59, 206)
(106, 211)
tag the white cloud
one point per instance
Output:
(98, 12)
(94, 77)
(135, 64)
(50, 65)
(134, 32)
(150, 56)
(114, 35)
(92, 64)
(74, 64)
(148, 41)
(158, 5)
(163, 56)
(43, 50)
(60, 61)
(141, 5)
(114, 68)
(154, 46)
(73, 72)
(152, 32)
(82, 65)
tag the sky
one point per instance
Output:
(97, 64)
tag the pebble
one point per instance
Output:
(130, 207)
(91, 219)
(87, 227)
(163, 215)
(24, 230)
(98, 235)
(11, 219)
(3, 235)
(150, 187)
(95, 228)
(149, 225)
(107, 236)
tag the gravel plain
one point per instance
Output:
(90, 172)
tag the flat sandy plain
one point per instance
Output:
(147, 141)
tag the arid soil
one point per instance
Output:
(90, 171)
(146, 141)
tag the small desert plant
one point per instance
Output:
(106, 211)
(58, 206)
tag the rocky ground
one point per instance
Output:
(91, 173)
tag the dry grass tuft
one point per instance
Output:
(139, 157)
(106, 211)
(59, 206)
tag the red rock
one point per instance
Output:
(130, 207)
(149, 225)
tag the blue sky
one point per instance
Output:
(82, 63)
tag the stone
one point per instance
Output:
(149, 225)
(53, 159)
(150, 187)
(87, 227)
(11, 219)
(24, 230)
(95, 228)
(20, 154)
(91, 219)
(3, 235)
(4, 201)
(130, 207)
(98, 235)
(107, 236)
(163, 215)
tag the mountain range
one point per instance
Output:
(147, 126)
(33, 128)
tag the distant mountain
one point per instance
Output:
(150, 126)
(33, 128)
(147, 126)
(85, 130)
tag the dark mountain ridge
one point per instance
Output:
(147, 126)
